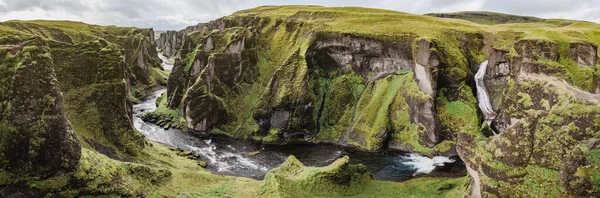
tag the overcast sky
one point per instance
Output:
(177, 14)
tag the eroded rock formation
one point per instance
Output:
(36, 140)
(349, 89)
(300, 81)
(545, 114)
(67, 95)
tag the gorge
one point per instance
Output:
(253, 160)
(302, 101)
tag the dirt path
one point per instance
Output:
(476, 188)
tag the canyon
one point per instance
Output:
(302, 101)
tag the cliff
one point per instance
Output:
(377, 79)
(66, 95)
(170, 42)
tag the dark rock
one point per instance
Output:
(584, 54)
(37, 139)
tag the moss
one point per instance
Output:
(159, 76)
(460, 115)
(165, 116)
(525, 100)
(372, 120)
(489, 18)
(5, 177)
(272, 137)
(445, 146)
(52, 184)
(340, 179)
(538, 181)
(337, 96)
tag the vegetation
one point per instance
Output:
(488, 18)
(258, 76)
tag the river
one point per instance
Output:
(226, 156)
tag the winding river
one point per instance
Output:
(239, 158)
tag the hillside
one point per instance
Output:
(489, 18)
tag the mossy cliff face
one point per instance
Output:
(170, 42)
(141, 58)
(545, 94)
(377, 79)
(286, 78)
(100, 70)
(36, 140)
(89, 72)
(65, 97)
(138, 46)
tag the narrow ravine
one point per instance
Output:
(233, 157)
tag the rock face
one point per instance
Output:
(37, 139)
(140, 56)
(171, 41)
(545, 114)
(307, 75)
(240, 78)
(64, 91)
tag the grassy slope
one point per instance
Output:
(489, 18)
(386, 23)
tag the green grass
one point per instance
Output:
(488, 18)
(165, 116)
(339, 179)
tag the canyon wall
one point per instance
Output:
(281, 74)
(67, 95)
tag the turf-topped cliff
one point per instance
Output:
(314, 74)
(137, 45)
(65, 98)
(377, 79)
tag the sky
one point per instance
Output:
(178, 14)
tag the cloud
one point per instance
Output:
(538, 7)
(177, 14)
(429, 6)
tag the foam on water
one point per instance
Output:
(425, 165)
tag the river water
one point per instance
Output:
(226, 156)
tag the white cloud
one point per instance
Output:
(176, 14)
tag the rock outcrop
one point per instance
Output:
(293, 179)
(36, 140)
(170, 42)
(64, 93)
(545, 114)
